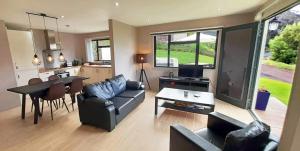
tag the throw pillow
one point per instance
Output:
(251, 138)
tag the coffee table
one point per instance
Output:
(198, 102)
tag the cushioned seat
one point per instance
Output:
(120, 103)
(131, 93)
(212, 137)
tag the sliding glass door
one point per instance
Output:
(235, 65)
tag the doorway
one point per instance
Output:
(279, 52)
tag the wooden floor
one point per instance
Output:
(274, 115)
(139, 131)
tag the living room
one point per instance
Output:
(133, 77)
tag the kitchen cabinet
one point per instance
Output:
(21, 48)
(95, 74)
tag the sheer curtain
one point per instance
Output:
(89, 50)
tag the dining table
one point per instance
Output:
(37, 91)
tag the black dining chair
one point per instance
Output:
(75, 87)
(53, 78)
(55, 92)
(34, 81)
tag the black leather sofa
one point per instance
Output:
(105, 104)
(211, 138)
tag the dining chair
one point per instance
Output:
(75, 87)
(34, 81)
(55, 92)
(53, 77)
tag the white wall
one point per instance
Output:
(123, 46)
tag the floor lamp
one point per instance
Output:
(141, 59)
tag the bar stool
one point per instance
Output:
(55, 92)
(75, 87)
(34, 81)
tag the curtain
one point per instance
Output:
(89, 50)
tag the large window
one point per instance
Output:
(189, 48)
(101, 50)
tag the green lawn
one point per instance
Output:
(280, 90)
(185, 57)
(280, 65)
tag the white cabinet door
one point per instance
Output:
(21, 47)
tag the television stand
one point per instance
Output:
(184, 83)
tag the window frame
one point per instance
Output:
(99, 47)
(197, 42)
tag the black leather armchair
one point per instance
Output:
(211, 138)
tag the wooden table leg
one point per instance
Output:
(23, 106)
(156, 102)
(37, 112)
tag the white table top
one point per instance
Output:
(178, 95)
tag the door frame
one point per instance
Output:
(243, 102)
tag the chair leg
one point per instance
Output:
(58, 103)
(73, 100)
(51, 110)
(43, 106)
(65, 104)
(55, 104)
(31, 106)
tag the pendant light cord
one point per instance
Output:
(58, 34)
(44, 23)
(32, 37)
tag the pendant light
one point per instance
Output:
(35, 61)
(61, 56)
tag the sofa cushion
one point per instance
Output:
(253, 137)
(131, 93)
(134, 85)
(102, 90)
(118, 84)
(211, 136)
(120, 103)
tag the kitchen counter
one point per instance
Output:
(42, 70)
(98, 66)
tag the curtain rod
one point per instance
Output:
(188, 30)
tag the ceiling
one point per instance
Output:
(92, 15)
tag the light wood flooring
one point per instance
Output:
(139, 131)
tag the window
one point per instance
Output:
(189, 48)
(101, 50)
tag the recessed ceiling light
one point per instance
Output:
(62, 16)
(117, 3)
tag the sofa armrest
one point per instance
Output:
(223, 124)
(97, 112)
(134, 85)
(96, 101)
(182, 139)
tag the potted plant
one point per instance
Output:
(262, 99)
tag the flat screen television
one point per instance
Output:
(190, 71)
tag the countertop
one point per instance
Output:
(97, 66)
(42, 70)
